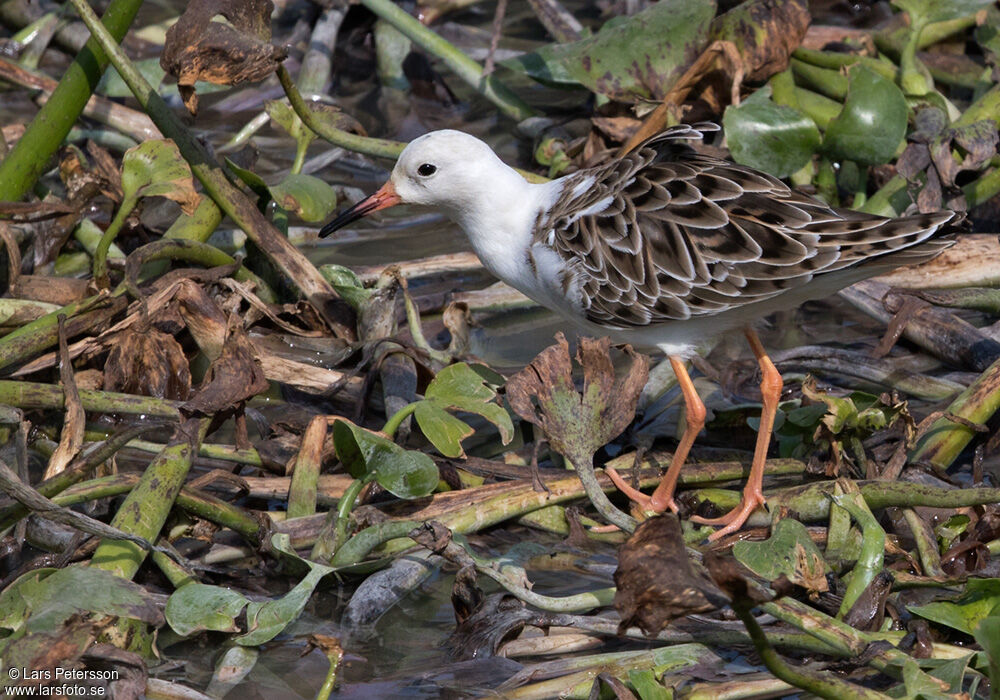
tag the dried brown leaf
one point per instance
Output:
(197, 48)
(147, 362)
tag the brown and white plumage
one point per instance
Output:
(662, 247)
(659, 248)
(675, 235)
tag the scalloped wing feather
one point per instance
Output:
(669, 234)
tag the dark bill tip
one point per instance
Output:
(383, 199)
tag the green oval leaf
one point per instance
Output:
(921, 11)
(309, 197)
(156, 168)
(444, 430)
(872, 123)
(638, 57)
(774, 138)
(789, 551)
(405, 473)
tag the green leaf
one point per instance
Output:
(309, 197)
(463, 388)
(871, 126)
(155, 168)
(404, 473)
(644, 682)
(980, 600)
(444, 430)
(347, 284)
(197, 606)
(44, 599)
(923, 11)
(988, 636)
(789, 551)
(636, 58)
(774, 138)
(252, 180)
(200, 607)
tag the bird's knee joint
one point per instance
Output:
(695, 416)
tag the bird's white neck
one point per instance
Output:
(499, 221)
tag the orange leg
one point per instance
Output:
(753, 494)
(663, 496)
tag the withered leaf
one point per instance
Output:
(147, 362)
(765, 32)
(196, 48)
(232, 379)
(578, 424)
(656, 582)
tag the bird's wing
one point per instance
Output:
(667, 234)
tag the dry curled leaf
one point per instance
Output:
(147, 362)
(765, 33)
(656, 582)
(235, 377)
(197, 48)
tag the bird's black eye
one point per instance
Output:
(427, 169)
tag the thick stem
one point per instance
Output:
(30, 156)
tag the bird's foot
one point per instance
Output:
(654, 505)
(734, 519)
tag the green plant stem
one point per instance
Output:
(226, 453)
(397, 418)
(831, 83)
(291, 262)
(42, 333)
(911, 78)
(983, 189)
(460, 64)
(382, 148)
(74, 473)
(101, 278)
(836, 61)
(819, 108)
(30, 156)
(584, 466)
(358, 547)
(30, 395)
(344, 508)
(872, 555)
(146, 507)
(945, 439)
(826, 686)
(927, 547)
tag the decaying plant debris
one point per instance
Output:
(203, 441)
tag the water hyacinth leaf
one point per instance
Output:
(765, 32)
(404, 473)
(980, 600)
(988, 636)
(789, 551)
(155, 168)
(200, 607)
(44, 599)
(309, 197)
(444, 430)
(197, 606)
(251, 179)
(347, 284)
(925, 11)
(461, 387)
(774, 138)
(871, 126)
(637, 58)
